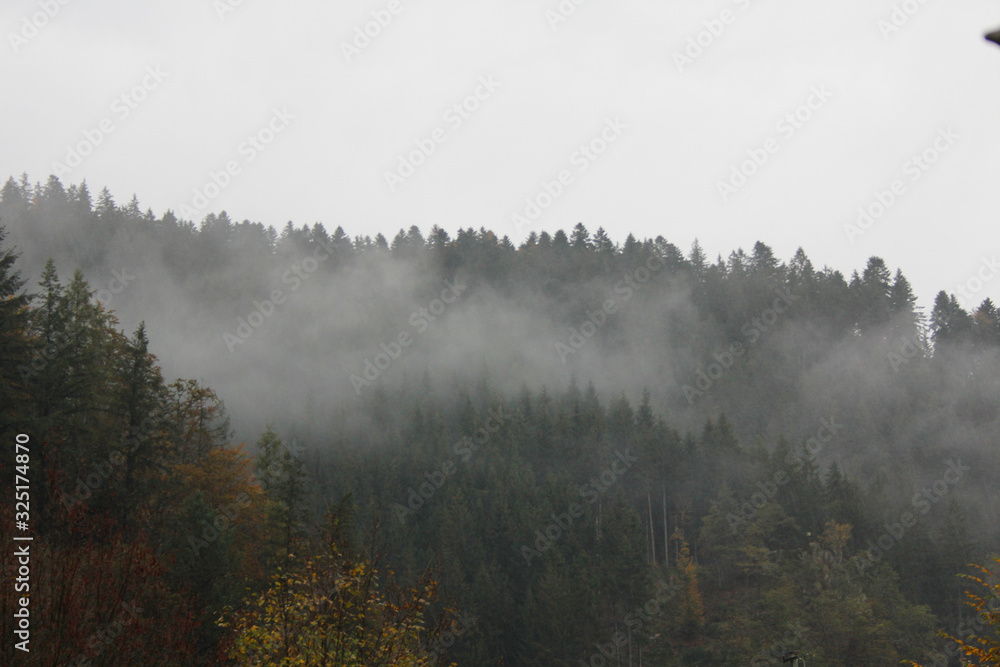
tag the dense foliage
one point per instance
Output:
(794, 460)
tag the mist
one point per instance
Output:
(534, 335)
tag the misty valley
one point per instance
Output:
(258, 447)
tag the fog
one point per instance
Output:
(303, 338)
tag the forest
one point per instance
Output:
(251, 446)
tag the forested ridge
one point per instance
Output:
(457, 449)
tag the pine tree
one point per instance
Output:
(580, 241)
(950, 323)
(138, 400)
(697, 259)
(15, 348)
(106, 209)
(81, 203)
(283, 478)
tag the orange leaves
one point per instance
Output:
(984, 648)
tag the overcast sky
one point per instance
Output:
(202, 76)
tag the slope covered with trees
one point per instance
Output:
(147, 523)
(608, 454)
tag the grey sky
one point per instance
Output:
(223, 78)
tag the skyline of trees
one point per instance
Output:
(820, 494)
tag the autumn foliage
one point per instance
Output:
(982, 650)
(334, 609)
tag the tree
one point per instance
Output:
(139, 395)
(106, 209)
(198, 419)
(580, 239)
(874, 295)
(986, 323)
(11, 194)
(210, 518)
(14, 346)
(950, 324)
(690, 606)
(67, 376)
(603, 243)
(984, 647)
(101, 600)
(719, 537)
(132, 210)
(81, 201)
(48, 324)
(333, 609)
(282, 477)
(697, 259)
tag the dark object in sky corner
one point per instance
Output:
(994, 37)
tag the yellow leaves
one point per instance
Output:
(328, 609)
(835, 537)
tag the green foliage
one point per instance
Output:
(283, 478)
(706, 551)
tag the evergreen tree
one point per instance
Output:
(283, 478)
(15, 346)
